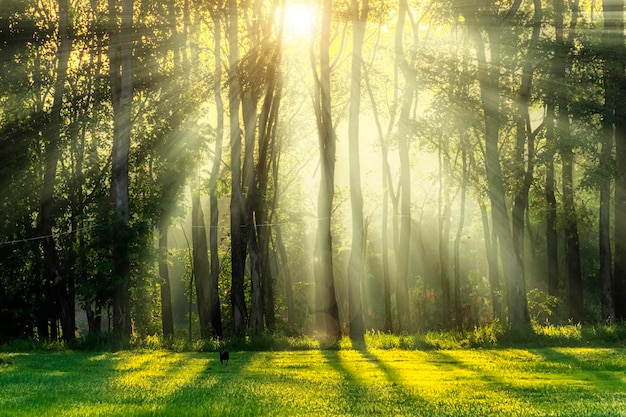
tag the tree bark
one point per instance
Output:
(214, 300)
(327, 310)
(237, 223)
(489, 79)
(387, 189)
(444, 206)
(525, 138)
(201, 267)
(62, 283)
(491, 250)
(120, 68)
(619, 205)
(572, 245)
(551, 209)
(356, 262)
(167, 319)
(457, 240)
(403, 248)
(612, 37)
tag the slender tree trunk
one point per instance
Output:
(237, 224)
(283, 265)
(265, 204)
(491, 249)
(167, 318)
(551, 209)
(120, 68)
(489, 78)
(403, 248)
(525, 138)
(572, 246)
(327, 310)
(286, 274)
(214, 300)
(201, 266)
(606, 143)
(61, 283)
(619, 207)
(457, 242)
(356, 263)
(387, 189)
(444, 206)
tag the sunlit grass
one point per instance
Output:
(340, 382)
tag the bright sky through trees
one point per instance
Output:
(300, 20)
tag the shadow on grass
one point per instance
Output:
(372, 388)
(120, 383)
(602, 375)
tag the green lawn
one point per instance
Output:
(493, 382)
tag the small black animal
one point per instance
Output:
(224, 356)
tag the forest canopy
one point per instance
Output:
(309, 167)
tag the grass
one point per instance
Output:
(547, 381)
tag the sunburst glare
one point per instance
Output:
(299, 20)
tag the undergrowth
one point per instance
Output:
(493, 335)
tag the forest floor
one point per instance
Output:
(460, 382)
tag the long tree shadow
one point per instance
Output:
(213, 388)
(120, 383)
(454, 387)
(608, 374)
(527, 382)
(379, 388)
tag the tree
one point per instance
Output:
(327, 310)
(525, 137)
(237, 223)
(612, 37)
(63, 283)
(121, 79)
(214, 300)
(403, 137)
(480, 21)
(359, 12)
(562, 126)
(619, 205)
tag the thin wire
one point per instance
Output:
(31, 239)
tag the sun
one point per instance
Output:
(300, 20)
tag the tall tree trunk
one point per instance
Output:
(62, 283)
(551, 209)
(619, 207)
(444, 206)
(525, 138)
(167, 318)
(489, 79)
(572, 246)
(214, 300)
(120, 68)
(250, 114)
(387, 189)
(327, 310)
(491, 249)
(286, 274)
(457, 240)
(610, 78)
(265, 204)
(356, 263)
(403, 248)
(237, 223)
(201, 266)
